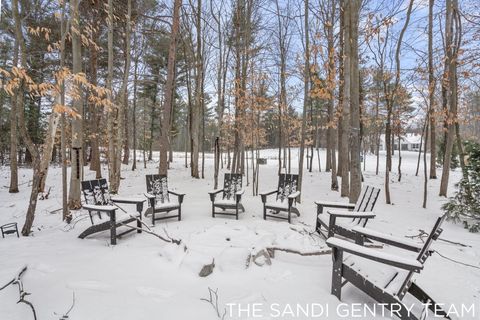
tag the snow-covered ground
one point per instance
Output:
(144, 278)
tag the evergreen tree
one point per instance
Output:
(465, 205)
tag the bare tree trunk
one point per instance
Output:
(345, 186)
(425, 180)
(134, 118)
(63, 139)
(341, 89)
(217, 162)
(306, 97)
(355, 132)
(196, 107)
(399, 155)
(13, 130)
(331, 87)
(112, 162)
(452, 46)
(431, 91)
(96, 115)
(424, 133)
(165, 125)
(76, 172)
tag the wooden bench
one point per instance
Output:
(98, 201)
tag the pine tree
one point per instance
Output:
(465, 205)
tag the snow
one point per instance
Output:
(144, 278)
(374, 233)
(350, 214)
(372, 253)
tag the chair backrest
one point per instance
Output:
(232, 183)
(157, 185)
(424, 254)
(287, 184)
(367, 199)
(96, 192)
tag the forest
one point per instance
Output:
(120, 77)
(337, 95)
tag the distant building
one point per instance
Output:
(409, 142)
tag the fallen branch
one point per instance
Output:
(422, 235)
(22, 293)
(65, 315)
(271, 252)
(213, 300)
(148, 230)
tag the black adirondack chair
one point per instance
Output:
(231, 196)
(97, 200)
(285, 198)
(341, 222)
(160, 200)
(385, 277)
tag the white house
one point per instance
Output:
(409, 142)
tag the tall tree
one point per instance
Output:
(195, 115)
(355, 142)
(113, 169)
(431, 86)
(346, 102)
(306, 95)
(76, 173)
(452, 45)
(169, 87)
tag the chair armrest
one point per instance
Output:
(349, 214)
(294, 195)
(238, 195)
(214, 193)
(151, 199)
(375, 255)
(388, 239)
(127, 200)
(265, 194)
(180, 196)
(100, 208)
(328, 204)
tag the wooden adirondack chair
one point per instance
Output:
(285, 198)
(97, 200)
(158, 196)
(385, 277)
(341, 222)
(231, 196)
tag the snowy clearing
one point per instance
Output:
(144, 278)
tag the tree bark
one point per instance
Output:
(196, 106)
(345, 185)
(13, 130)
(167, 106)
(76, 172)
(431, 91)
(355, 132)
(306, 97)
(451, 46)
